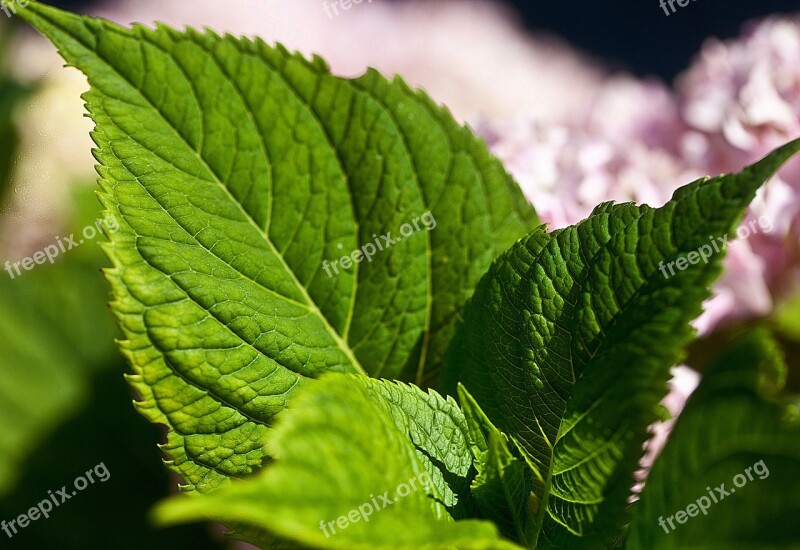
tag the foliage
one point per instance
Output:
(239, 173)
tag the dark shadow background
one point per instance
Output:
(637, 35)
(112, 515)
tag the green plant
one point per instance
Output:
(237, 171)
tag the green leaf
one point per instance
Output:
(504, 485)
(235, 170)
(479, 428)
(340, 454)
(734, 434)
(503, 490)
(568, 342)
(438, 430)
(55, 334)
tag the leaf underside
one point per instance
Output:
(235, 169)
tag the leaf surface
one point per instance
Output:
(240, 173)
(340, 454)
(504, 486)
(438, 431)
(569, 338)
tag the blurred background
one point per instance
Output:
(583, 101)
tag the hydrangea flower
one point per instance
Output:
(621, 146)
(740, 99)
(638, 141)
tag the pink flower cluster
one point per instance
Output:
(639, 141)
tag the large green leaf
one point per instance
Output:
(235, 170)
(728, 477)
(55, 334)
(340, 454)
(568, 342)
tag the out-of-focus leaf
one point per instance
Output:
(731, 467)
(11, 93)
(786, 320)
(55, 333)
(106, 515)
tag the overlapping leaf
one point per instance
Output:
(239, 173)
(340, 454)
(438, 430)
(728, 477)
(504, 486)
(568, 342)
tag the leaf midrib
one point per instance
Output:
(312, 306)
(641, 211)
(544, 506)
